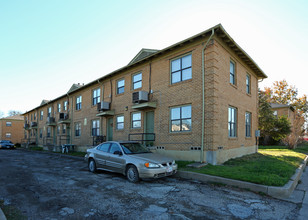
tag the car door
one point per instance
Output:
(101, 155)
(115, 161)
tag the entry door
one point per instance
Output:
(109, 129)
(149, 126)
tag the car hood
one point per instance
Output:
(151, 157)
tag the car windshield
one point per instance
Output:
(134, 148)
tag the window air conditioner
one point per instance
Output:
(140, 96)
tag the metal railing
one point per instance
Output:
(98, 139)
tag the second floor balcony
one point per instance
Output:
(33, 124)
(51, 121)
(64, 118)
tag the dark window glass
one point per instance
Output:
(181, 69)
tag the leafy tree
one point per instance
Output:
(271, 126)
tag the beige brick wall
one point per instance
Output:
(219, 95)
(16, 130)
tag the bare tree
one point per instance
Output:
(14, 112)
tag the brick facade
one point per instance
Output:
(11, 128)
(165, 97)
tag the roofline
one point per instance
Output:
(224, 36)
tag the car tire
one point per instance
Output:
(132, 174)
(92, 166)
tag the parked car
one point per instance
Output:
(131, 159)
(6, 144)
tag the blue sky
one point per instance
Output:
(46, 46)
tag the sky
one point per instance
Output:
(46, 46)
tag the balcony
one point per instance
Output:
(51, 121)
(145, 105)
(33, 124)
(103, 109)
(64, 118)
(26, 126)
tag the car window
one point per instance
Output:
(134, 148)
(114, 148)
(103, 147)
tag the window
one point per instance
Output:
(95, 128)
(58, 129)
(31, 117)
(77, 129)
(8, 135)
(8, 124)
(275, 113)
(181, 69)
(78, 102)
(114, 148)
(136, 120)
(48, 131)
(59, 107)
(232, 121)
(120, 86)
(96, 96)
(63, 129)
(248, 83)
(232, 72)
(65, 106)
(248, 124)
(41, 133)
(103, 147)
(41, 115)
(137, 81)
(120, 122)
(34, 116)
(181, 118)
(49, 112)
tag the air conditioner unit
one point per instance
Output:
(102, 106)
(140, 96)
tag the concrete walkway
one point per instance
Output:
(300, 195)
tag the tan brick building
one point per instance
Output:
(195, 100)
(286, 110)
(11, 128)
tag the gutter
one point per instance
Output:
(203, 97)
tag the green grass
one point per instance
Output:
(11, 212)
(272, 166)
(36, 148)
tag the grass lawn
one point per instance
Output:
(272, 166)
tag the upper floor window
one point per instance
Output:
(120, 86)
(41, 133)
(31, 117)
(248, 124)
(136, 120)
(34, 116)
(95, 128)
(58, 129)
(232, 121)
(8, 124)
(181, 118)
(120, 122)
(232, 72)
(96, 96)
(59, 107)
(49, 112)
(137, 81)
(65, 106)
(248, 84)
(78, 102)
(181, 69)
(41, 115)
(77, 129)
(8, 135)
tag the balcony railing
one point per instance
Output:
(98, 139)
(63, 117)
(33, 124)
(51, 121)
(26, 126)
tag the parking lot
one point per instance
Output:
(50, 186)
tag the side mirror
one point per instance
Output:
(118, 153)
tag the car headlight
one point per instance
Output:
(151, 165)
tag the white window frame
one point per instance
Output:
(118, 88)
(120, 122)
(8, 124)
(136, 82)
(181, 118)
(232, 122)
(95, 130)
(232, 73)
(96, 96)
(78, 102)
(134, 120)
(181, 69)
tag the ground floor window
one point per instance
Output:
(41, 133)
(77, 129)
(120, 122)
(64, 129)
(95, 128)
(181, 118)
(248, 124)
(8, 135)
(48, 131)
(136, 120)
(232, 121)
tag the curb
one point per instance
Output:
(276, 192)
(55, 154)
(2, 216)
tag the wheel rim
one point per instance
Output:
(91, 165)
(131, 174)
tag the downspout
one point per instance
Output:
(70, 108)
(203, 97)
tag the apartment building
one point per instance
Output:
(11, 128)
(286, 110)
(194, 100)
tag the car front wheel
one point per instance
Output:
(92, 166)
(132, 174)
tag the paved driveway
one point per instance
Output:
(47, 186)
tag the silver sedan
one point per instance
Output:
(131, 159)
